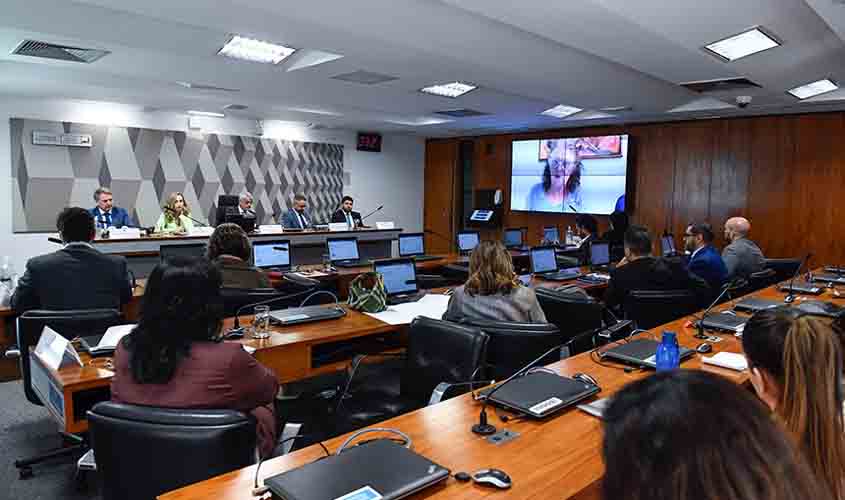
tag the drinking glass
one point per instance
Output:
(261, 323)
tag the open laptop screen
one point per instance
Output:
(411, 244)
(667, 244)
(343, 249)
(551, 234)
(400, 276)
(271, 254)
(467, 241)
(543, 260)
(169, 251)
(600, 253)
(513, 237)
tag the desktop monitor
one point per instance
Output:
(551, 234)
(667, 244)
(342, 249)
(400, 275)
(467, 240)
(266, 254)
(513, 238)
(543, 259)
(599, 253)
(411, 244)
(169, 251)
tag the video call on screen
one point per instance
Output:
(265, 255)
(543, 260)
(343, 250)
(467, 241)
(397, 276)
(411, 245)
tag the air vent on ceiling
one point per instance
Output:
(235, 107)
(460, 113)
(35, 48)
(364, 77)
(201, 86)
(721, 85)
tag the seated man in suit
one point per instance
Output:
(75, 277)
(230, 250)
(705, 261)
(346, 214)
(105, 213)
(245, 201)
(297, 217)
(742, 256)
(640, 271)
(587, 228)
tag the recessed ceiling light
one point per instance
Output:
(741, 45)
(813, 89)
(611, 109)
(454, 89)
(561, 111)
(206, 113)
(249, 49)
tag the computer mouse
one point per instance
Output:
(587, 379)
(492, 477)
(704, 348)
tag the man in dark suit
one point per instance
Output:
(640, 271)
(75, 277)
(705, 261)
(297, 217)
(345, 214)
(587, 228)
(105, 214)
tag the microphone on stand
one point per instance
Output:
(361, 221)
(790, 297)
(727, 286)
(177, 214)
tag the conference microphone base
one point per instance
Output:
(789, 299)
(483, 429)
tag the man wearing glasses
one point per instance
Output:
(705, 261)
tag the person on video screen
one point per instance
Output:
(561, 185)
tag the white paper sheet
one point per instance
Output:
(430, 306)
(729, 360)
(52, 347)
(113, 336)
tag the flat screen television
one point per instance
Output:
(569, 175)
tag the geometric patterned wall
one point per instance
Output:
(143, 166)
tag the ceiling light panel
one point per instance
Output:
(249, 49)
(813, 89)
(561, 111)
(744, 44)
(453, 90)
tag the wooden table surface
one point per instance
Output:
(555, 458)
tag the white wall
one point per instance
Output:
(393, 178)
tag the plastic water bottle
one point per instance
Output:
(569, 236)
(668, 355)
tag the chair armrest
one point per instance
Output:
(13, 352)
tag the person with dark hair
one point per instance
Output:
(76, 277)
(692, 435)
(297, 216)
(616, 235)
(105, 213)
(638, 270)
(345, 214)
(705, 261)
(493, 291)
(174, 357)
(587, 228)
(795, 362)
(561, 184)
(230, 250)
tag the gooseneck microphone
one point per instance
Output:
(727, 286)
(371, 213)
(174, 212)
(790, 296)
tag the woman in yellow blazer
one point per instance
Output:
(175, 219)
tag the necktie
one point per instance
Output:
(301, 220)
(349, 220)
(108, 219)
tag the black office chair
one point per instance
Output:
(784, 268)
(651, 308)
(573, 315)
(762, 279)
(438, 351)
(458, 273)
(69, 324)
(512, 345)
(142, 452)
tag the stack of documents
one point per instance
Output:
(431, 306)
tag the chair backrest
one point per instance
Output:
(762, 279)
(235, 298)
(142, 452)
(513, 345)
(572, 315)
(650, 308)
(440, 351)
(783, 268)
(69, 324)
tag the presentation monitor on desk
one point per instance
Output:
(599, 253)
(272, 254)
(551, 234)
(411, 244)
(467, 241)
(667, 245)
(400, 275)
(342, 249)
(193, 250)
(514, 237)
(543, 260)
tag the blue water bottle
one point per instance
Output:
(668, 354)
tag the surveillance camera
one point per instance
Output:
(743, 101)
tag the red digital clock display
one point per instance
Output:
(369, 142)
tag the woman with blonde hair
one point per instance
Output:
(175, 217)
(493, 290)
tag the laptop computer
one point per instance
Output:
(514, 239)
(539, 394)
(400, 280)
(754, 304)
(834, 269)
(467, 241)
(378, 470)
(192, 250)
(297, 315)
(667, 245)
(724, 322)
(836, 279)
(413, 245)
(343, 252)
(551, 235)
(272, 255)
(599, 255)
(642, 352)
(544, 264)
(802, 287)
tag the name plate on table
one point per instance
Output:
(270, 229)
(338, 226)
(385, 225)
(124, 233)
(201, 231)
(56, 351)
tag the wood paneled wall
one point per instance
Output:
(784, 173)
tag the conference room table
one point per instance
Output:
(555, 458)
